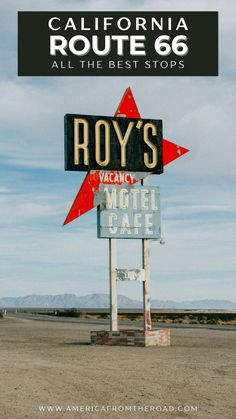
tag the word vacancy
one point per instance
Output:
(101, 45)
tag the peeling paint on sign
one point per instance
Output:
(129, 212)
(130, 274)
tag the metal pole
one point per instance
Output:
(146, 284)
(113, 284)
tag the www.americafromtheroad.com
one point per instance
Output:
(117, 408)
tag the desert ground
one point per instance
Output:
(45, 364)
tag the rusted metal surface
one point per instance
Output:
(113, 285)
(146, 284)
(130, 275)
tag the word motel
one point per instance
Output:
(129, 212)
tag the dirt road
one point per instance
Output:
(49, 366)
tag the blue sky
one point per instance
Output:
(198, 199)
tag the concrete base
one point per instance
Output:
(131, 337)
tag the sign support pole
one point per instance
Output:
(146, 284)
(113, 285)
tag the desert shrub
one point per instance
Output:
(103, 316)
(212, 321)
(70, 312)
(164, 320)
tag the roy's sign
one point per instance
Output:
(129, 212)
(111, 143)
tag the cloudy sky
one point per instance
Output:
(198, 192)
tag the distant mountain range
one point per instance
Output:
(102, 301)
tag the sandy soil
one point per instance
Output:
(48, 363)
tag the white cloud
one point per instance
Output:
(4, 190)
(37, 255)
(193, 116)
(197, 112)
(72, 259)
(189, 210)
(21, 208)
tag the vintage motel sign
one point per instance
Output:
(110, 143)
(85, 199)
(129, 212)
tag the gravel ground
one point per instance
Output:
(46, 364)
